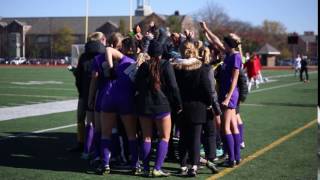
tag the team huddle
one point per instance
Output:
(163, 87)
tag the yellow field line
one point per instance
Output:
(263, 150)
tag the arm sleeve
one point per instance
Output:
(237, 61)
(206, 86)
(172, 86)
(78, 73)
(215, 102)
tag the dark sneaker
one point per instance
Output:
(238, 162)
(192, 172)
(146, 173)
(136, 171)
(212, 167)
(228, 163)
(159, 173)
(103, 170)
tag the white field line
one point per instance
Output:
(37, 96)
(288, 75)
(275, 87)
(39, 88)
(10, 113)
(37, 132)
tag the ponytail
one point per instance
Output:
(155, 72)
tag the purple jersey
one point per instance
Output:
(99, 66)
(230, 63)
(119, 98)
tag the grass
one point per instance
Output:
(268, 115)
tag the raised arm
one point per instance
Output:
(112, 54)
(212, 37)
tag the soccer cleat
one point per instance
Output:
(103, 170)
(136, 171)
(183, 171)
(192, 172)
(242, 145)
(212, 167)
(238, 162)
(146, 173)
(159, 173)
(228, 163)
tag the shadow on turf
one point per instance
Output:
(41, 151)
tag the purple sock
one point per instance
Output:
(161, 154)
(89, 138)
(237, 142)
(133, 146)
(240, 127)
(97, 142)
(105, 150)
(146, 155)
(230, 145)
(115, 150)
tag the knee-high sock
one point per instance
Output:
(146, 148)
(115, 150)
(133, 146)
(97, 143)
(88, 139)
(240, 127)
(237, 142)
(230, 145)
(105, 151)
(161, 154)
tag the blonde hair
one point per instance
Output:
(206, 55)
(238, 40)
(188, 50)
(141, 58)
(115, 40)
(96, 36)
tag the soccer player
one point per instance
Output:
(155, 83)
(93, 47)
(229, 93)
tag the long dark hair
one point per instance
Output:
(129, 47)
(155, 72)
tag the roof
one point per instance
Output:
(308, 38)
(49, 25)
(269, 50)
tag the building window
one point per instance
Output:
(43, 39)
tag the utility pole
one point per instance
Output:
(86, 21)
(130, 15)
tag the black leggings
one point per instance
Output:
(189, 144)
(209, 139)
(306, 72)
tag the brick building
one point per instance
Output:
(34, 37)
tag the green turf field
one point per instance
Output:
(271, 112)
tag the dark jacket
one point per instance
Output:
(150, 101)
(84, 68)
(214, 94)
(194, 84)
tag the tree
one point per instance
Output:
(62, 42)
(174, 24)
(122, 26)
